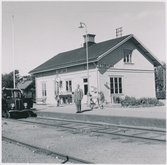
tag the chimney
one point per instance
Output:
(90, 39)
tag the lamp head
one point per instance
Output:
(81, 25)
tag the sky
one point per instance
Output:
(42, 29)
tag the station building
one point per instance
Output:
(117, 67)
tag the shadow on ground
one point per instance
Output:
(87, 110)
(20, 115)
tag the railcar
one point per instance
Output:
(14, 104)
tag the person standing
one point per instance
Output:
(101, 99)
(78, 95)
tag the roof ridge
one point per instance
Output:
(114, 39)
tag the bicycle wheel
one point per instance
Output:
(91, 106)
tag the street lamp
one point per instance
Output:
(57, 81)
(81, 26)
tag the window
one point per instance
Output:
(127, 56)
(69, 86)
(85, 80)
(17, 94)
(116, 85)
(43, 89)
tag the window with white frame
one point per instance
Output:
(43, 89)
(115, 85)
(69, 86)
(127, 56)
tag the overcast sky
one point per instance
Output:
(44, 29)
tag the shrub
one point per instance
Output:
(117, 99)
(152, 101)
(133, 101)
(142, 102)
(126, 101)
(161, 95)
(160, 104)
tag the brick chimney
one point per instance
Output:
(90, 39)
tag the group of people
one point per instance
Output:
(78, 96)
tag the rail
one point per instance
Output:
(66, 158)
(105, 129)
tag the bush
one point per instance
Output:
(161, 95)
(160, 104)
(117, 99)
(133, 101)
(142, 102)
(126, 101)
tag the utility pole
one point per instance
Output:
(13, 50)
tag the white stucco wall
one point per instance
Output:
(75, 77)
(138, 62)
(139, 84)
(134, 83)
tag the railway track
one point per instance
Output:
(158, 135)
(65, 158)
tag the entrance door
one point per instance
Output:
(85, 90)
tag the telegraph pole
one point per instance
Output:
(13, 50)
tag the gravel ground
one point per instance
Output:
(15, 153)
(86, 146)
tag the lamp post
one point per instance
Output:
(81, 26)
(57, 81)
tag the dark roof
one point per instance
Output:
(24, 84)
(78, 56)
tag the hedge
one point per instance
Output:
(133, 102)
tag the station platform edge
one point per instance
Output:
(152, 117)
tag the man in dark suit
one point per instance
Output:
(78, 95)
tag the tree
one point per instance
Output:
(7, 79)
(160, 77)
(160, 80)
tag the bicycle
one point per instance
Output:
(94, 103)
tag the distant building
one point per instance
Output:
(118, 67)
(27, 87)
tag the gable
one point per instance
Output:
(138, 62)
(141, 59)
(138, 58)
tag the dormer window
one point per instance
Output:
(127, 56)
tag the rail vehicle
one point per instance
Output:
(15, 104)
